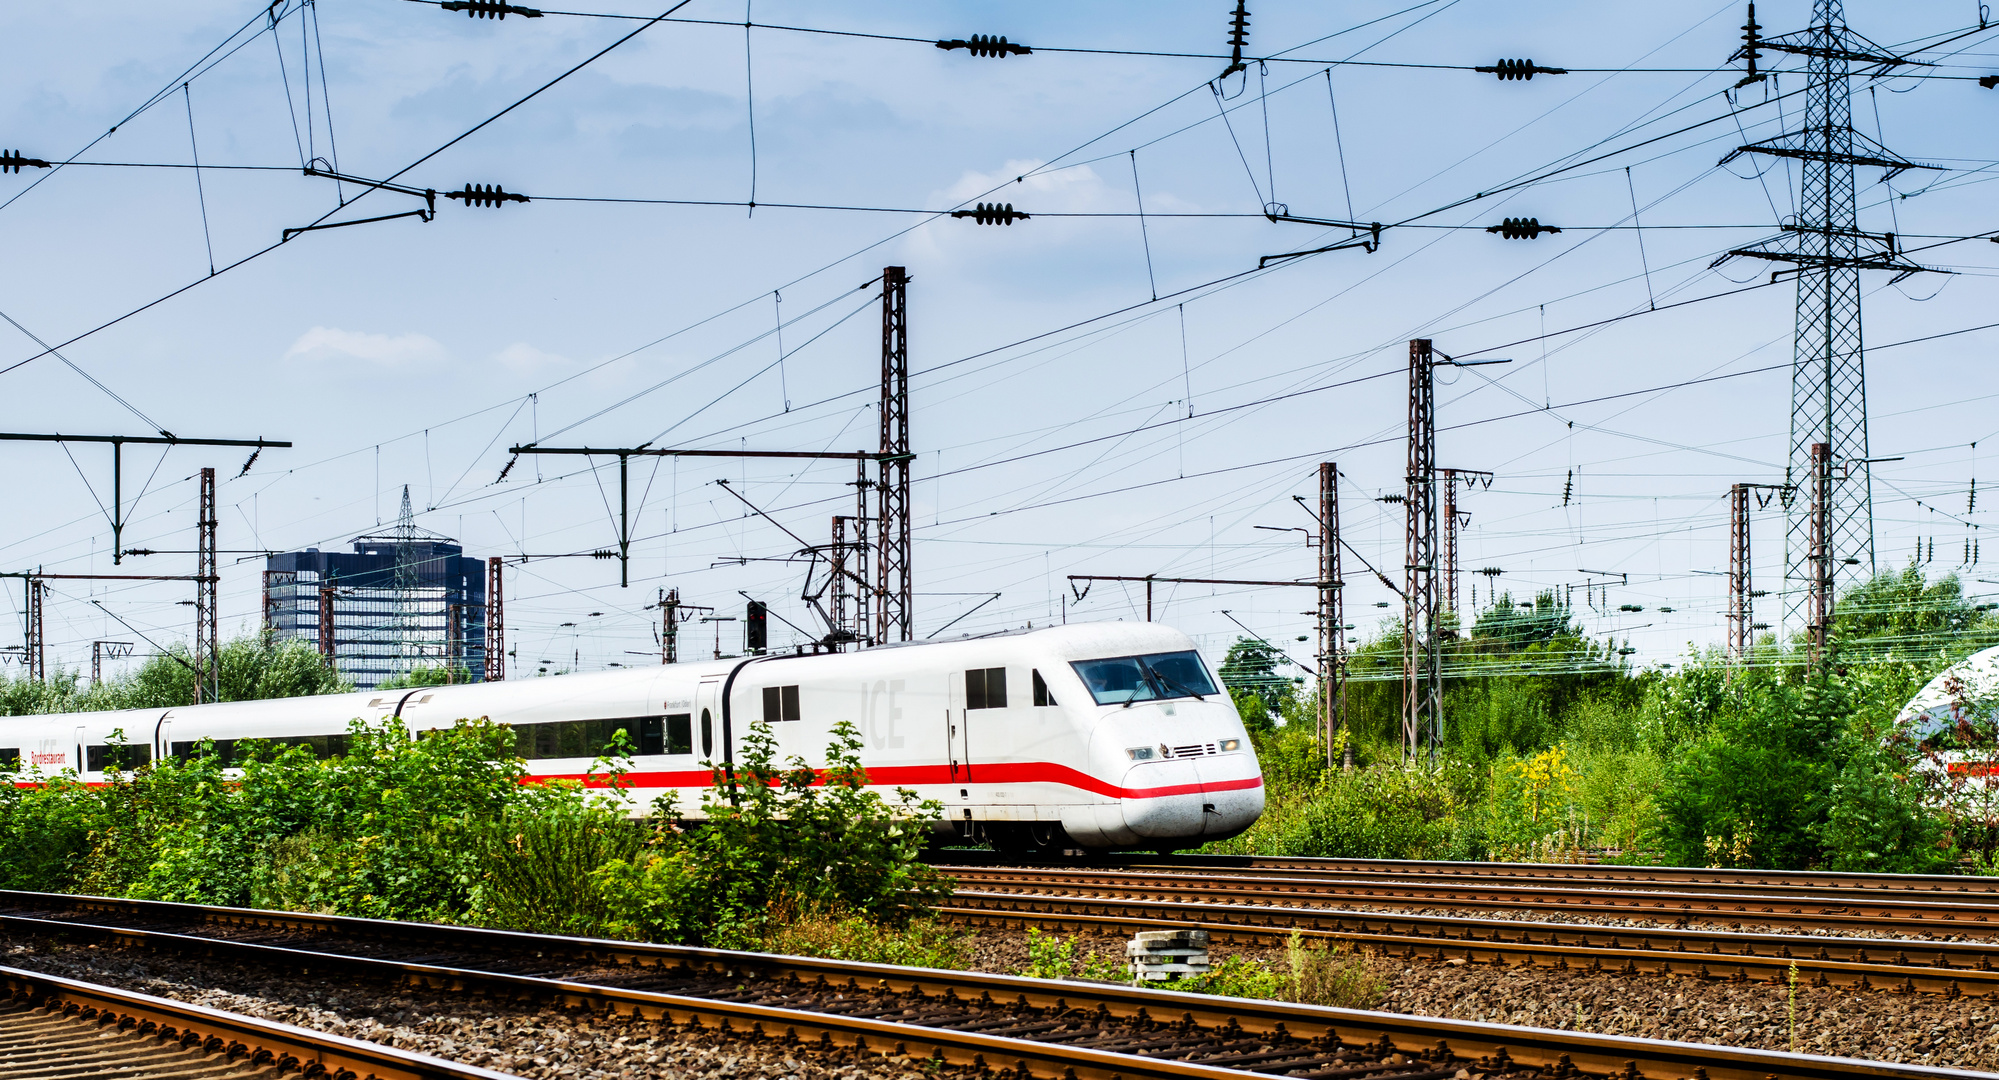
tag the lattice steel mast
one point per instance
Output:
(1828, 250)
(894, 608)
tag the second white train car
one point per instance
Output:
(1100, 735)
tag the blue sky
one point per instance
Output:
(1154, 440)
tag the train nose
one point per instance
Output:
(1193, 799)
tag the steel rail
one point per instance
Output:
(1963, 888)
(1875, 914)
(187, 1040)
(1955, 969)
(1433, 1048)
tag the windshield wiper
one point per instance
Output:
(1170, 681)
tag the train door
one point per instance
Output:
(163, 733)
(82, 761)
(708, 720)
(957, 731)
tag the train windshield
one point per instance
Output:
(1126, 679)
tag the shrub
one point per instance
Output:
(916, 943)
(1315, 974)
(778, 839)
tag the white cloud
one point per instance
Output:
(324, 343)
(523, 358)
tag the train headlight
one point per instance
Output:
(1140, 753)
(1231, 744)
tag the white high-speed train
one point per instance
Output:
(1104, 735)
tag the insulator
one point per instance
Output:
(1239, 29)
(485, 195)
(1509, 70)
(489, 9)
(1522, 228)
(986, 45)
(1631, 607)
(12, 161)
(993, 214)
(1988, 81)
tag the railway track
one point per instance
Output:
(1022, 1027)
(1891, 914)
(1950, 969)
(54, 1027)
(1959, 887)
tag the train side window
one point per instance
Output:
(1041, 694)
(116, 756)
(780, 704)
(985, 688)
(707, 735)
(679, 734)
(10, 758)
(652, 735)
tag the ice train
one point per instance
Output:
(1098, 736)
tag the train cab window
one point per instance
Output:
(985, 688)
(780, 704)
(116, 756)
(1041, 694)
(707, 735)
(1126, 679)
(10, 758)
(679, 734)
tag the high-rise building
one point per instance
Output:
(396, 602)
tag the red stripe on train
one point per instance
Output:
(1036, 772)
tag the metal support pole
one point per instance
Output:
(1448, 480)
(1738, 571)
(836, 579)
(1332, 615)
(327, 640)
(1422, 659)
(1819, 603)
(270, 622)
(624, 522)
(454, 641)
(207, 645)
(863, 549)
(117, 502)
(496, 623)
(894, 591)
(34, 654)
(1148, 598)
(669, 627)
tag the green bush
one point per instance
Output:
(778, 842)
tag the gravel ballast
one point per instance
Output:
(1923, 1029)
(539, 1042)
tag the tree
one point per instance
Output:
(427, 675)
(252, 668)
(1250, 673)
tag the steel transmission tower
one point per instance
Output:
(894, 597)
(1827, 251)
(407, 587)
(1422, 652)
